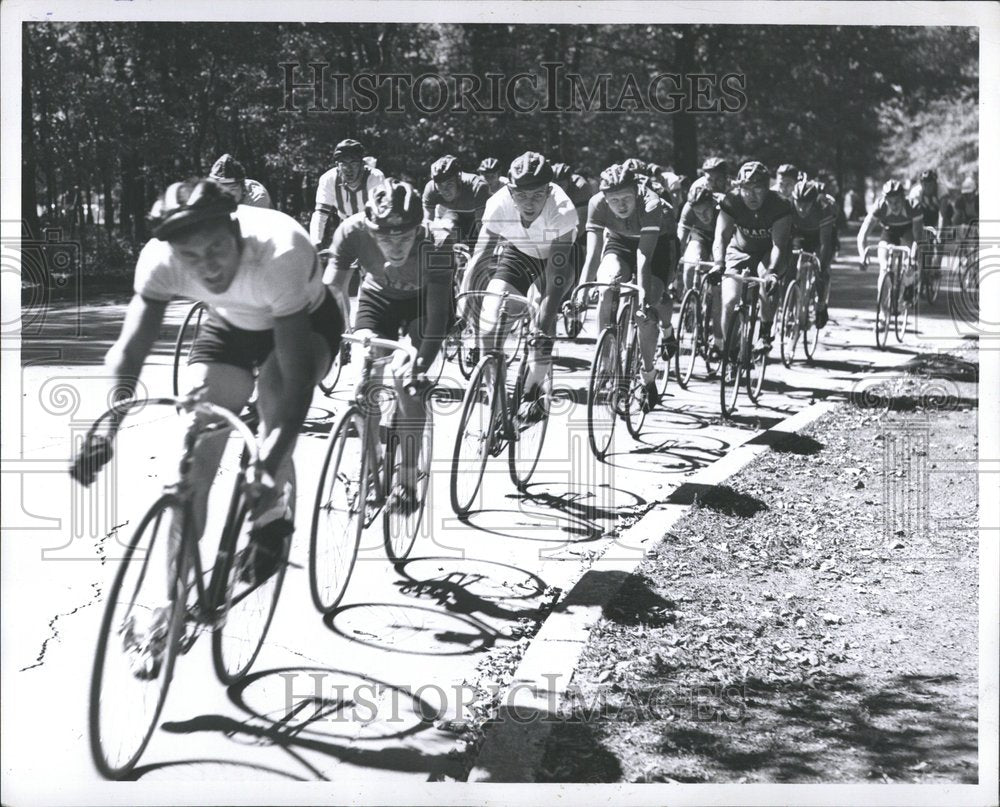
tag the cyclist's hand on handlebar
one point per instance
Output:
(714, 275)
(94, 454)
(771, 282)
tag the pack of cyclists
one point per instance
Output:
(536, 229)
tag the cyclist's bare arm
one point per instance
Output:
(643, 262)
(866, 226)
(724, 227)
(317, 224)
(124, 361)
(558, 278)
(435, 320)
(297, 366)
(339, 287)
(595, 242)
(486, 244)
(781, 236)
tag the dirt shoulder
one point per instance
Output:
(814, 620)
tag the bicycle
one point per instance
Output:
(217, 597)
(890, 302)
(487, 424)
(740, 363)
(615, 388)
(361, 464)
(188, 332)
(799, 309)
(694, 326)
(930, 266)
(968, 259)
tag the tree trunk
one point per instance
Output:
(685, 125)
(29, 193)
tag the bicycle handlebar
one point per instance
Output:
(629, 288)
(745, 278)
(505, 298)
(702, 266)
(369, 342)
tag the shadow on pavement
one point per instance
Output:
(720, 498)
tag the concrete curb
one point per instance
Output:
(515, 741)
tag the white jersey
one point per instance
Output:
(333, 193)
(278, 273)
(557, 218)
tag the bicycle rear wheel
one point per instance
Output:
(903, 310)
(790, 325)
(468, 350)
(706, 326)
(883, 310)
(688, 338)
(634, 390)
(245, 608)
(399, 530)
(525, 448)
(339, 512)
(602, 394)
(123, 708)
(185, 339)
(475, 435)
(329, 382)
(733, 366)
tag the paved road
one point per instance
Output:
(408, 639)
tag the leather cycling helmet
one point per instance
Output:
(714, 164)
(699, 194)
(892, 187)
(185, 205)
(787, 168)
(348, 149)
(528, 171)
(618, 178)
(489, 165)
(227, 169)
(444, 168)
(561, 171)
(394, 208)
(753, 173)
(805, 191)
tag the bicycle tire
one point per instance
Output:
(246, 611)
(790, 324)
(329, 382)
(634, 390)
(482, 392)
(118, 768)
(731, 367)
(705, 326)
(810, 339)
(185, 339)
(756, 359)
(602, 393)
(399, 532)
(341, 498)
(688, 337)
(902, 311)
(932, 286)
(571, 325)
(525, 447)
(883, 310)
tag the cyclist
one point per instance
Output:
(231, 176)
(902, 225)
(489, 170)
(535, 223)
(924, 198)
(966, 206)
(812, 226)
(267, 311)
(632, 230)
(407, 273)
(343, 190)
(788, 175)
(752, 230)
(456, 200)
(579, 192)
(695, 233)
(714, 175)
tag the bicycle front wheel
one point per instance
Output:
(688, 338)
(634, 390)
(124, 708)
(790, 324)
(732, 367)
(903, 310)
(185, 340)
(525, 447)
(602, 394)
(246, 607)
(883, 310)
(399, 530)
(329, 382)
(757, 361)
(810, 338)
(339, 512)
(475, 436)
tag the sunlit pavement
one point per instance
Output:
(406, 641)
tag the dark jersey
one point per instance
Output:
(895, 222)
(650, 214)
(699, 229)
(472, 195)
(353, 241)
(823, 214)
(754, 227)
(928, 207)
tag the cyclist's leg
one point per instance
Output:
(611, 268)
(908, 279)
(737, 261)
(515, 273)
(769, 301)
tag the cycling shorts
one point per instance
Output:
(219, 342)
(519, 270)
(627, 250)
(739, 261)
(384, 315)
(809, 241)
(895, 235)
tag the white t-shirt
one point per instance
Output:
(557, 218)
(278, 273)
